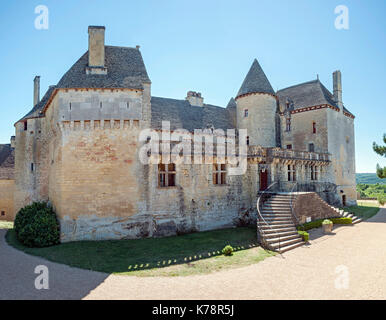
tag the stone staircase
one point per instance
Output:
(346, 214)
(277, 228)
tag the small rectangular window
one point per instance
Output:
(25, 126)
(288, 124)
(219, 174)
(246, 113)
(32, 167)
(313, 127)
(314, 173)
(291, 173)
(3, 213)
(289, 146)
(166, 175)
(247, 140)
(311, 147)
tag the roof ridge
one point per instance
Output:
(299, 84)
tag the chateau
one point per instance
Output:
(78, 148)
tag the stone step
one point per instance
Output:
(277, 223)
(291, 246)
(276, 218)
(284, 244)
(272, 215)
(357, 220)
(273, 211)
(276, 206)
(282, 238)
(280, 234)
(268, 231)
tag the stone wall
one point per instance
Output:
(310, 205)
(261, 119)
(7, 212)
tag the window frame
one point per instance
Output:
(165, 172)
(219, 174)
(291, 173)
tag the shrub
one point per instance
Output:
(227, 251)
(345, 220)
(36, 225)
(326, 221)
(305, 235)
(381, 199)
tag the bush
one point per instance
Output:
(36, 225)
(227, 251)
(381, 199)
(305, 235)
(326, 221)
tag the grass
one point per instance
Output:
(364, 210)
(195, 253)
(6, 224)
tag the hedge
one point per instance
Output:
(318, 223)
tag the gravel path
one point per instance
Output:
(350, 264)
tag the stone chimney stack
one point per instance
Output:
(36, 90)
(337, 83)
(195, 98)
(96, 50)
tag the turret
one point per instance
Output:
(256, 108)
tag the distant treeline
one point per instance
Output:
(369, 178)
(371, 190)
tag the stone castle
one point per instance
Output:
(78, 149)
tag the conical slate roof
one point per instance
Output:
(255, 81)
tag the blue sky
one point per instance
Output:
(206, 46)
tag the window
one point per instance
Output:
(314, 173)
(311, 147)
(288, 124)
(32, 167)
(219, 173)
(247, 140)
(313, 127)
(3, 213)
(166, 175)
(245, 113)
(289, 146)
(291, 173)
(25, 126)
(287, 105)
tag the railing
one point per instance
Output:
(294, 154)
(260, 217)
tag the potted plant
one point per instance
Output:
(327, 226)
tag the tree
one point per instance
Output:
(381, 150)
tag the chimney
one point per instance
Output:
(36, 90)
(12, 141)
(195, 98)
(96, 50)
(337, 83)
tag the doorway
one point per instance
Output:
(263, 180)
(344, 200)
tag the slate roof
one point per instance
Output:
(308, 94)
(36, 110)
(256, 81)
(7, 161)
(125, 69)
(183, 115)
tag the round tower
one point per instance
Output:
(256, 108)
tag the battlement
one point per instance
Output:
(89, 125)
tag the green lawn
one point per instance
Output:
(195, 253)
(6, 224)
(364, 210)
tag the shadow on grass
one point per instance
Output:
(122, 256)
